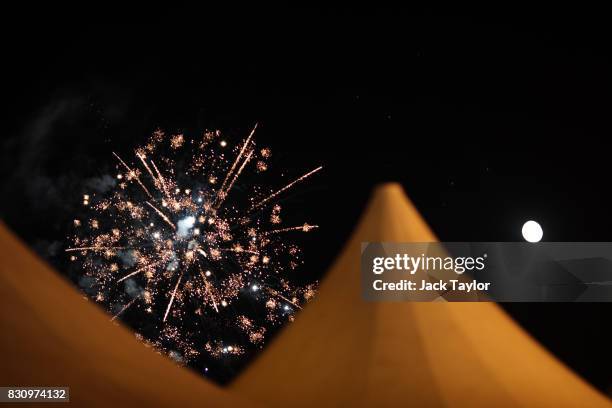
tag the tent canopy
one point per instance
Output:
(339, 351)
(52, 336)
(343, 351)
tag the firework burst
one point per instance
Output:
(180, 244)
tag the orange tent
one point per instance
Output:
(52, 336)
(340, 350)
(343, 351)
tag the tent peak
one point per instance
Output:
(391, 216)
(390, 188)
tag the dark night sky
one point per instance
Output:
(486, 120)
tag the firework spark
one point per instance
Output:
(176, 249)
(305, 228)
(287, 187)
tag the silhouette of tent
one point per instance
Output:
(343, 351)
(52, 336)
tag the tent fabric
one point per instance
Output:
(52, 336)
(343, 351)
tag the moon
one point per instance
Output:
(532, 231)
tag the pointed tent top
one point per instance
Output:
(52, 336)
(391, 216)
(343, 351)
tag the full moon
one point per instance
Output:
(532, 232)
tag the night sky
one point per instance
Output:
(487, 121)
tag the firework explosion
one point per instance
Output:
(175, 247)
